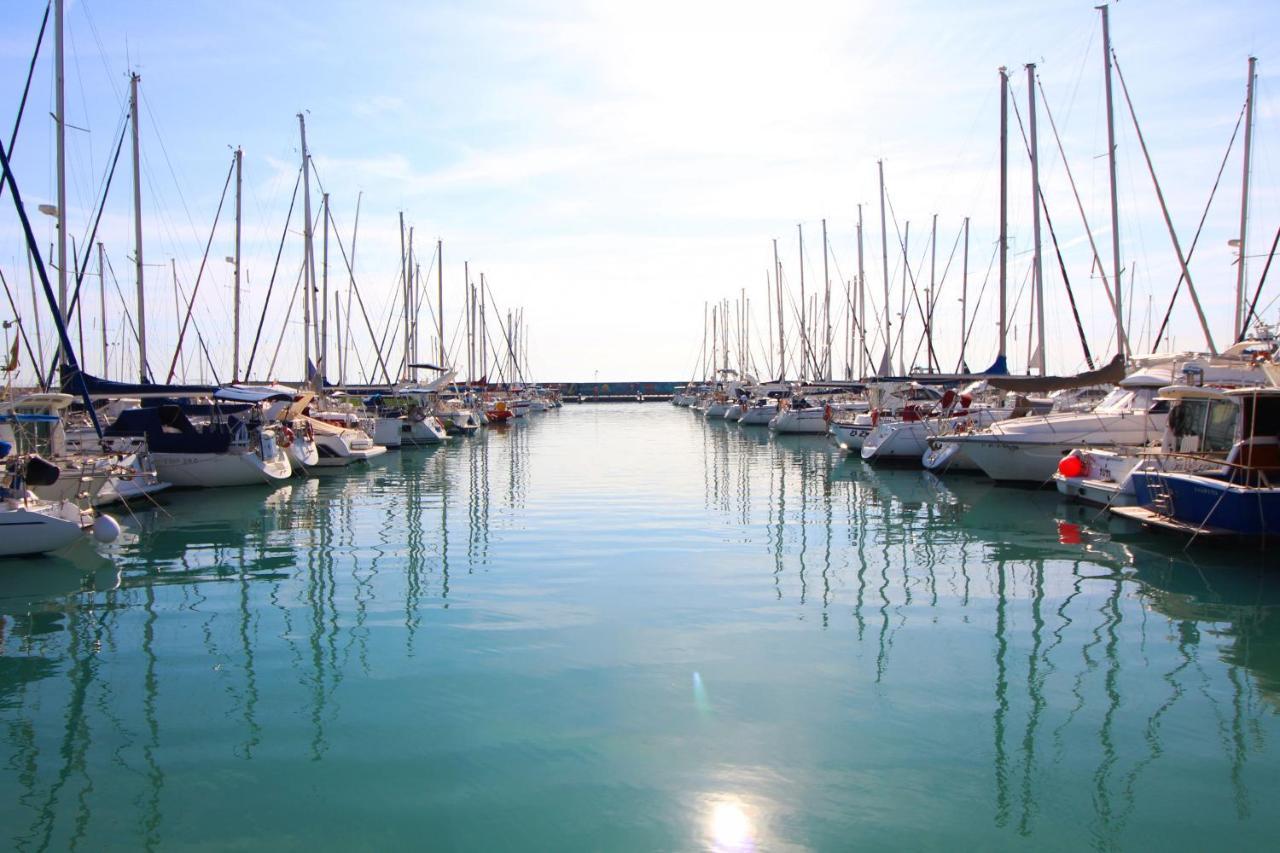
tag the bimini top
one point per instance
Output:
(168, 430)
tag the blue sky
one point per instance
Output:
(612, 167)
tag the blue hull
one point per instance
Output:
(1208, 502)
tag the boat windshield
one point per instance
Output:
(1203, 425)
(1122, 400)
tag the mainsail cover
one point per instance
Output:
(1108, 375)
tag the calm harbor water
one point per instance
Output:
(623, 627)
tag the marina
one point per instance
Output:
(949, 521)
(521, 646)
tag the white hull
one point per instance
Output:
(717, 410)
(424, 432)
(758, 415)
(41, 527)
(386, 431)
(734, 413)
(940, 458)
(337, 451)
(800, 421)
(850, 437)
(216, 470)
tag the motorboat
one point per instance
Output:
(1028, 449)
(1240, 496)
(32, 525)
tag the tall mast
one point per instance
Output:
(1037, 269)
(309, 259)
(484, 335)
(235, 335)
(322, 357)
(804, 327)
(964, 301)
(861, 304)
(933, 291)
(1121, 341)
(440, 295)
(102, 304)
(351, 286)
(143, 372)
(1240, 330)
(61, 134)
(886, 364)
(466, 295)
(1001, 356)
(404, 290)
(826, 311)
(715, 343)
(782, 338)
(411, 306)
(902, 315)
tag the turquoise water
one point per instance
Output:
(624, 628)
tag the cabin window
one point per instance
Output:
(1220, 426)
(1262, 416)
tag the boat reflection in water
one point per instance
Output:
(536, 639)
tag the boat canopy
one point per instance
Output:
(106, 388)
(168, 430)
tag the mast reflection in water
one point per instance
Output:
(492, 644)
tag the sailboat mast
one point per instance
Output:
(466, 295)
(804, 325)
(902, 315)
(235, 334)
(782, 339)
(102, 304)
(1121, 341)
(143, 373)
(861, 304)
(404, 293)
(887, 362)
(826, 310)
(933, 291)
(964, 301)
(1037, 270)
(60, 123)
(440, 295)
(1001, 355)
(322, 356)
(1244, 201)
(308, 260)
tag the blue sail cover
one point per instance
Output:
(168, 430)
(1000, 368)
(106, 388)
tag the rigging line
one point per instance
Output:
(356, 287)
(93, 234)
(1173, 235)
(284, 327)
(1053, 235)
(22, 330)
(1164, 324)
(986, 279)
(127, 314)
(195, 288)
(274, 269)
(1093, 246)
(1253, 306)
(26, 88)
(915, 291)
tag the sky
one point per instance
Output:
(612, 169)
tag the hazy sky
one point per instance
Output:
(612, 167)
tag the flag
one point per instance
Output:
(13, 358)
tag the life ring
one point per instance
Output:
(827, 413)
(286, 437)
